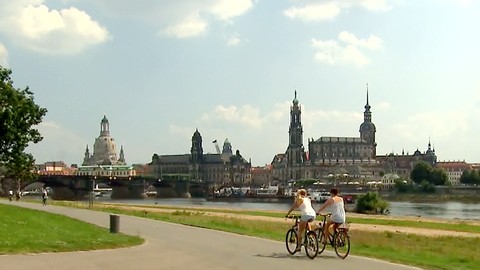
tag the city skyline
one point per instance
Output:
(230, 69)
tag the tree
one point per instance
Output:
(19, 115)
(470, 177)
(466, 177)
(371, 202)
(439, 177)
(421, 171)
(403, 186)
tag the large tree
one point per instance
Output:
(423, 171)
(19, 116)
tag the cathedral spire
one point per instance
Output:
(121, 160)
(367, 105)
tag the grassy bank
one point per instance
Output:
(426, 252)
(460, 226)
(29, 231)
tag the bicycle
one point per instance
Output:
(339, 239)
(310, 240)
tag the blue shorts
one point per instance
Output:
(308, 217)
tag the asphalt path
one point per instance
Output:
(173, 246)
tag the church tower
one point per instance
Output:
(368, 129)
(196, 156)
(196, 151)
(105, 127)
(121, 159)
(87, 157)
(295, 150)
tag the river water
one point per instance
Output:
(445, 210)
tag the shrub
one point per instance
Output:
(371, 202)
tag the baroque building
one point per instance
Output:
(223, 168)
(104, 149)
(403, 164)
(327, 156)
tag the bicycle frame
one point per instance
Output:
(323, 228)
(296, 225)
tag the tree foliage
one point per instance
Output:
(371, 202)
(19, 116)
(435, 176)
(470, 177)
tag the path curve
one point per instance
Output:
(173, 246)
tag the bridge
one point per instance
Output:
(77, 187)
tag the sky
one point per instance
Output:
(161, 69)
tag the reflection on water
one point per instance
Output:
(446, 210)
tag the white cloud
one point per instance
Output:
(3, 56)
(318, 10)
(332, 52)
(33, 25)
(58, 143)
(233, 40)
(189, 27)
(313, 12)
(179, 19)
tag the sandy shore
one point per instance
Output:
(353, 226)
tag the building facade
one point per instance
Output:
(223, 168)
(112, 171)
(262, 175)
(327, 157)
(403, 164)
(104, 149)
(454, 170)
(55, 168)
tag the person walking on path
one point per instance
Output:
(44, 196)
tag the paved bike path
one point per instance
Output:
(173, 246)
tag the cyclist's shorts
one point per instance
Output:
(307, 217)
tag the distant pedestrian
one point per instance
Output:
(44, 196)
(18, 196)
(10, 195)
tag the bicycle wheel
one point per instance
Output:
(291, 241)
(342, 244)
(321, 237)
(311, 245)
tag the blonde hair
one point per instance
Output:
(301, 193)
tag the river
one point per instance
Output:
(445, 210)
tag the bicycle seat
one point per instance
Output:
(325, 214)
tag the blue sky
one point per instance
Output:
(160, 69)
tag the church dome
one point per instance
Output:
(367, 126)
(104, 150)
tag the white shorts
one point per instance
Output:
(308, 217)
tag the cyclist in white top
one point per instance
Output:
(338, 211)
(308, 213)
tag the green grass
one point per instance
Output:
(460, 226)
(24, 230)
(427, 252)
(436, 253)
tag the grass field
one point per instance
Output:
(29, 231)
(460, 226)
(427, 252)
